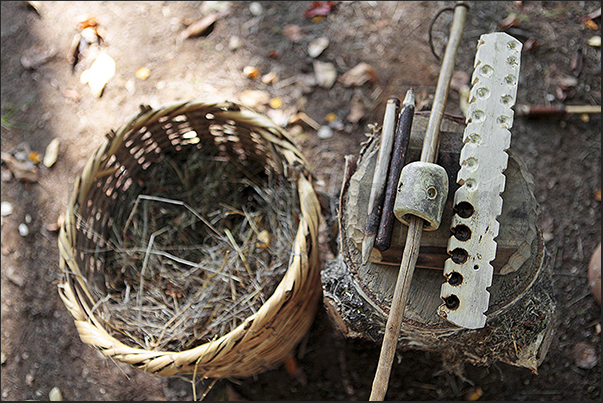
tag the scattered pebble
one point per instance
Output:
(7, 209)
(251, 72)
(585, 355)
(51, 154)
(324, 132)
(325, 73)
(99, 74)
(143, 73)
(234, 43)
(594, 273)
(23, 229)
(29, 378)
(28, 219)
(55, 395)
(317, 46)
(2, 358)
(256, 9)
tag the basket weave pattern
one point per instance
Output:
(265, 338)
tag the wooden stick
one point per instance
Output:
(386, 225)
(413, 236)
(555, 110)
(379, 177)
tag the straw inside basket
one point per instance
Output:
(194, 243)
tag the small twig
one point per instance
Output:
(379, 177)
(144, 266)
(403, 130)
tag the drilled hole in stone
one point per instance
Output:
(471, 164)
(471, 184)
(476, 267)
(510, 79)
(432, 192)
(455, 278)
(461, 232)
(452, 302)
(464, 209)
(486, 70)
(506, 100)
(512, 61)
(478, 115)
(474, 138)
(483, 93)
(459, 255)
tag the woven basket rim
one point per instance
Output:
(300, 285)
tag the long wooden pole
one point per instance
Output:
(413, 236)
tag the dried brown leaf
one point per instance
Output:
(510, 21)
(293, 32)
(201, 27)
(20, 170)
(358, 75)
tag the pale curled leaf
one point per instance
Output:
(360, 74)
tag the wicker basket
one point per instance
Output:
(265, 338)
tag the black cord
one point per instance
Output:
(431, 28)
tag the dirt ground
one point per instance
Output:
(40, 345)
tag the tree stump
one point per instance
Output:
(521, 314)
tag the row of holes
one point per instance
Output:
(459, 255)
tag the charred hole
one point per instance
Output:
(464, 209)
(461, 232)
(452, 302)
(455, 278)
(459, 255)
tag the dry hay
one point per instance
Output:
(200, 247)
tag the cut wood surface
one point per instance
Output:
(519, 285)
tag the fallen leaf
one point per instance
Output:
(203, 27)
(293, 32)
(87, 23)
(357, 109)
(99, 74)
(591, 24)
(52, 152)
(593, 15)
(251, 72)
(291, 366)
(510, 21)
(21, 170)
(595, 41)
(473, 394)
(37, 55)
(254, 98)
(143, 73)
(598, 195)
(331, 117)
(34, 157)
(531, 44)
(276, 103)
(325, 73)
(359, 75)
(269, 78)
(317, 46)
(320, 8)
(263, 239)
